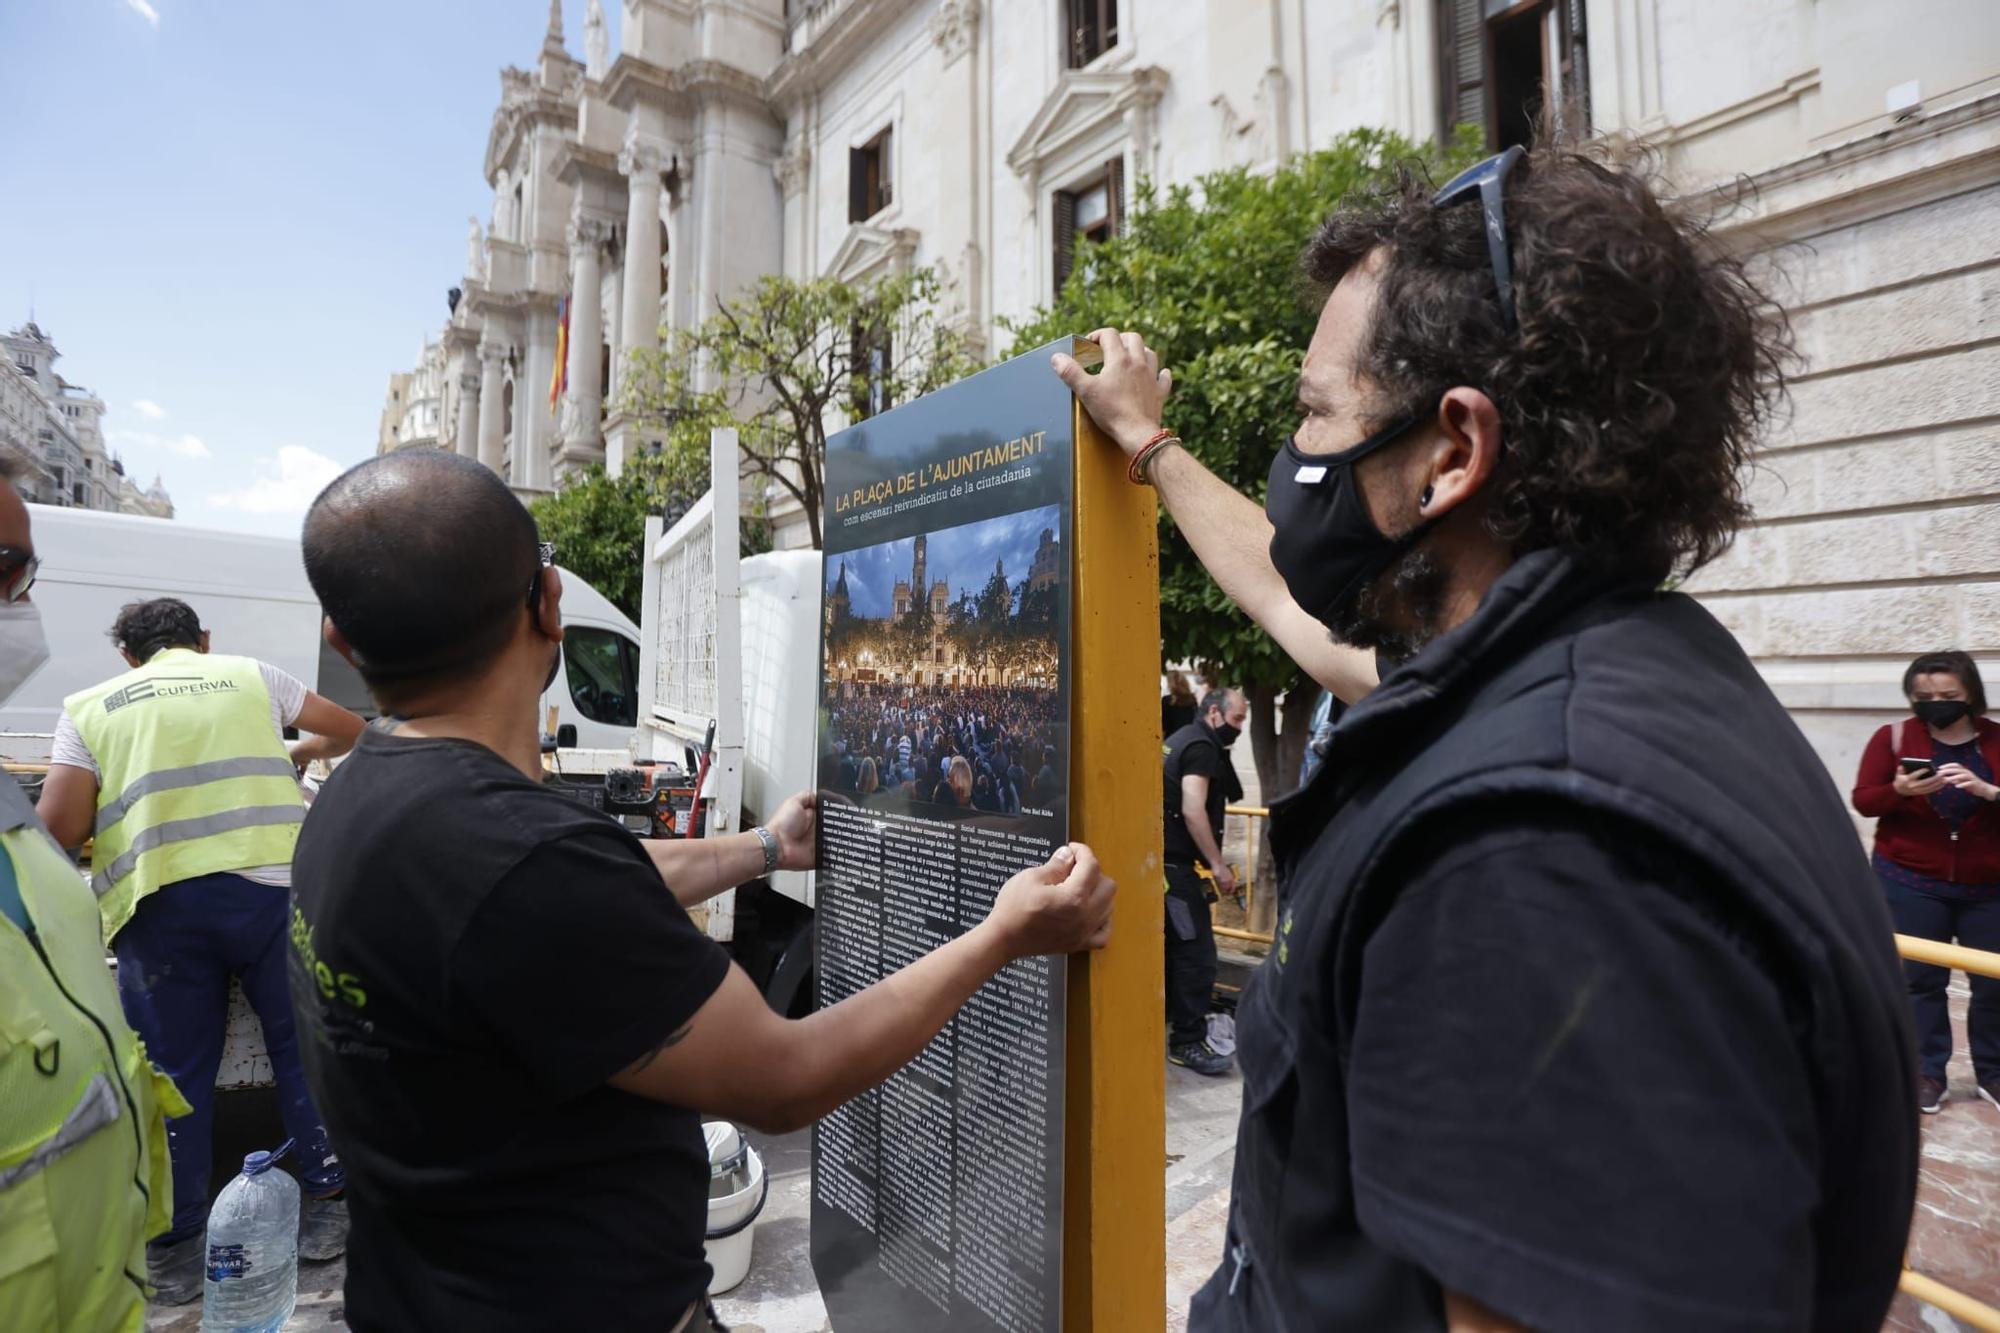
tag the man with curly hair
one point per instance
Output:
(1583, 1012)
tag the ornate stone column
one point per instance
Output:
(642, 162)
(954, 26)
(793, 171)
(583, 404)
(492, 418)
(465, 438)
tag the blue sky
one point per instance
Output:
(963, 556)
(236, 219)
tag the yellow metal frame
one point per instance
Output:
(1253, 813)
(1114, 1190)
(1913, 1284)
(1953, 1302)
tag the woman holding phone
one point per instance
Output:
(1928, 782)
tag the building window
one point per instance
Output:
(1090, 212)
(1503, 62)
(1090, 28)
(869, 188)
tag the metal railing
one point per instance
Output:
(1980, 962)
(1248, 884)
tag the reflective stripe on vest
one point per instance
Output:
(98, 1108)
(185, 830)
(193, 775)
(193, 778)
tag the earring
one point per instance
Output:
(1424, 500)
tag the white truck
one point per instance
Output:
(728, 691)
(251, 594)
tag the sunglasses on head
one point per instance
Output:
(17, 572)
(545, 557)
(1487, 182)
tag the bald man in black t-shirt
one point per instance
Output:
(513, 1026)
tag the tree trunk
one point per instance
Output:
(1278, 755)
(1297, 714)
(812, 460)
(1263, 701)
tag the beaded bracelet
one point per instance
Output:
(1136, 473)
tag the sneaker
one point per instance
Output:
(174, 1268)
(1990, 1090)
(1930, 1095)
(323, 1228)
(1200, 1057)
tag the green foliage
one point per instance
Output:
(598, 522)
(1209, 273)
(786, 361)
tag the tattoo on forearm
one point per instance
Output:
(671, 1039)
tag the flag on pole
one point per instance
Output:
(559, 377)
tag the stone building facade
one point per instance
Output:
(57, 429)
(413, 411)
(732, 138)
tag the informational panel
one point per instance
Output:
(944, 738)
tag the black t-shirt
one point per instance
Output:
(473, 956)
(1576, 1092)
(1193, 751)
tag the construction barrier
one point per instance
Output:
(1248, 885)
(1957, 1304)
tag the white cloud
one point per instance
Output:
(144, 11)
(185, 446)
(287, 485)
(149, 409)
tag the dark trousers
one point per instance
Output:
(175, 958)
(1974, 924)
(1190, 956)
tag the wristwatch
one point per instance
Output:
(770, 841)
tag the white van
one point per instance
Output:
(252, 596)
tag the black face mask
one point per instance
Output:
(1940, 713)
(1323, 543)
(1225, 735)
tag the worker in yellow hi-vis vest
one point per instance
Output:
(83, 1145)
(179, 769)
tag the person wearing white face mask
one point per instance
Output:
(83, 1154)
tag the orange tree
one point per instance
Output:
(1209, 272)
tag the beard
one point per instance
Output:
(1399, 611)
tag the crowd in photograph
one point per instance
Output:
(991, 748)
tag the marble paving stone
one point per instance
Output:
(1955, 1235)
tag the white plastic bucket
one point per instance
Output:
(737, 1169)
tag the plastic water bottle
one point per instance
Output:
(252, 1281)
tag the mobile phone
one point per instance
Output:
(1916, 768)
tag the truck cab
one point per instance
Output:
(725, 724)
